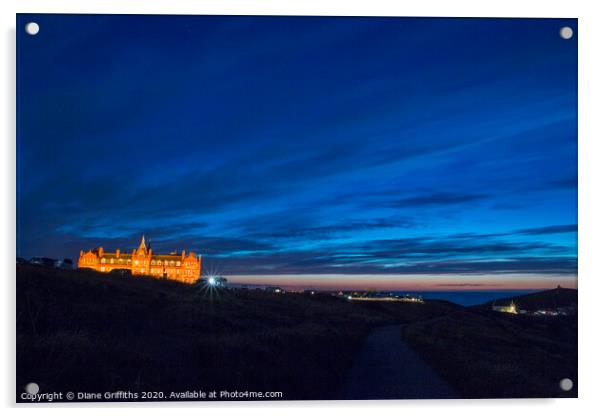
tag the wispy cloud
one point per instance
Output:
(437, 198)
(315, 168)
(553, 229)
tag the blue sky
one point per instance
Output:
(302, 146)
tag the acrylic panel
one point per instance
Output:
(219, 208)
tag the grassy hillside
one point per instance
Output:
(85, 331)
(489, 354)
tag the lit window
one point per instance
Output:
(178, 263)
(103, 261)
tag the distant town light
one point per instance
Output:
(512, 308)
(212, 281)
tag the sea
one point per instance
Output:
(459, 297)
(470, 298)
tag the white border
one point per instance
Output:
(590, 206)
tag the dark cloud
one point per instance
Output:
(508, 207)
(416, 255)
(314, 263)
(566, 183)
(553, 229)
(443, 247)
(314, 168)
(335, 230)
(231, 246)
(437, 198)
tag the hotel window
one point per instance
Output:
(112, 261)
(178, 263)
(153, 262)
(158, 262)
(136, 262)
(103, 261)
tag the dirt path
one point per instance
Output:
(387, 368)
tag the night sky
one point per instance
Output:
(308, 151)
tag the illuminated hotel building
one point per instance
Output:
(143, 262)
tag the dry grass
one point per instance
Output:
(85, 331)
(489, 354)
